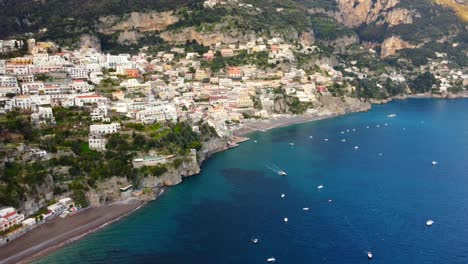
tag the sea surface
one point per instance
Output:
(376, 197)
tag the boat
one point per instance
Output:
(392, 115)
(434, 163)
(326, 139)
(285, 219)
(330, 200)
(342, 132)
(377, 125)
(255, 240)
(370, 255)
(429, 222)
(347, 130)
(271, 259)
(354, 129)
(320, 187)
(291, 144)
(283, 195)
(367, 126)
(356, 147)
(282, 173)
(305, 209)
(386, 124)
(380, 154)
(343, 140)
(255, 141)
(311, 137)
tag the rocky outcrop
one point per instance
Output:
(141, 22)
(393, 44)
(354, 13)
(341, 44)
(129, 37)
(340, 106)
(207, 38)
(89, 42)
(43, 193)
(307, 38)
(399, 16)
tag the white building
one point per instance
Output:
(97, 142)
(104, 128)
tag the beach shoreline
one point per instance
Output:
(58, 233)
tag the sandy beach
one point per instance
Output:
(59, 232)
(279, 121)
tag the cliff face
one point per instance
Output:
(131, 27)
(354, 13)
(207, 38)
(337, 105)
(44, 193)
(394, 44)
(142, 22)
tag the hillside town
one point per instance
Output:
(174, 86)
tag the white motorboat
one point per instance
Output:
(392, 115)
(292, 144)
(435, 162)
(283, 195)
(305, 209)
(282, 173)
(429, 222)
(370, 255)
(285, 219)
(356, 147)
(255, 240)
(343, 140)
(326, 139)
(271, 259)
(320, 187)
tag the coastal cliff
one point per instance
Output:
(109, 190)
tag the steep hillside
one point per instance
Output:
(126, 25)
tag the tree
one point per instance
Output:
(423, 83)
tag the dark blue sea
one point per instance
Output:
(381, 193)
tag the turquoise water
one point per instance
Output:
(379, 202)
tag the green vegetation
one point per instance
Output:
(259, 59)
(328, 29)
(423, 83)
(82, 168)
